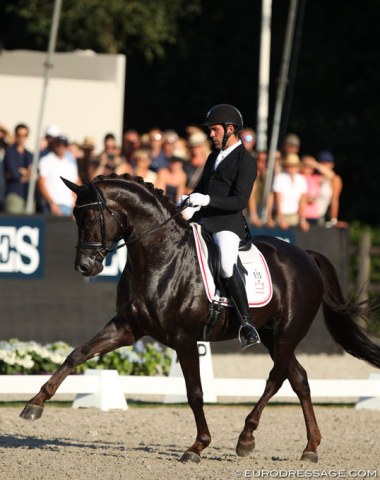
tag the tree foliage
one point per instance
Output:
(105, 26)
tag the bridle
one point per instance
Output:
(104, 247)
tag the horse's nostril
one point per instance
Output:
(81, 267)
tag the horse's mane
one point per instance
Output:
(159, 194)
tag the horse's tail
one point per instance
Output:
(339, 315)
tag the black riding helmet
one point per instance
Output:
(225, 114)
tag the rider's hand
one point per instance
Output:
(199, 200)
(188, 213)
(182, 198)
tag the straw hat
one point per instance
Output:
(88, 143)
(197, 138)
(292, 159)
(292, 139)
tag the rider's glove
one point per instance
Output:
(199, 200)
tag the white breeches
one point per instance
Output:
(228, 243)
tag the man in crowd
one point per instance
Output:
(59, 199)
(17, 162)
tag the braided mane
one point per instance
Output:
(156, 192)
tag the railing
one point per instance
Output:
(105, 389)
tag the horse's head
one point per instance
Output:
(99, 228)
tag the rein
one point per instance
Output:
(149, 231)
(100, 204)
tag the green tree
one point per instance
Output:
(106, 26)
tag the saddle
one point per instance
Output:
(213, 258)
(252, 267)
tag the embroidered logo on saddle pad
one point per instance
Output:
(258, 281)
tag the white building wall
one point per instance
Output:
(85, 95)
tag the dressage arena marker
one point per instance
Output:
(206, 371)
(369, 403)
(108, 394)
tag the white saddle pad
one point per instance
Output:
(258, 281)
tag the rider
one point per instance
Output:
(222, 194)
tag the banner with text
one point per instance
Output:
(22, 247)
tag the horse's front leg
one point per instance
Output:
(189, 361)
(115, 334)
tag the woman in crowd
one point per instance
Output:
(290, 191)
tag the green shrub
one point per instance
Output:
(18, 357)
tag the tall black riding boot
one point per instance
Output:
(248, 335)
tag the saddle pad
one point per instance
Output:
(258, 281)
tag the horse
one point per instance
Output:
(161, 294)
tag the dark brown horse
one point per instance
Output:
(161, 294)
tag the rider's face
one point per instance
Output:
(216, 133)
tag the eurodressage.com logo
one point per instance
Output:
(22, 247)
(263, 473)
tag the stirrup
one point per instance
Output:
(248, 342)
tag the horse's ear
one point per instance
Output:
(72, 186)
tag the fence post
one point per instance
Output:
(364, 266)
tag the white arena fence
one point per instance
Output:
(106, 389)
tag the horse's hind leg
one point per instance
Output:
(115, 334)
(246, 442)
(277, 375)
(298, 380)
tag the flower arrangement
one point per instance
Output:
(17, 357)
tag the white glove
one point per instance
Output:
(199, 200)
(182, 198)
(188, 212)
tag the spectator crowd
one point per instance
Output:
(304, 191)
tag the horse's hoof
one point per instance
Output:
(311, 457)
(190, 457)
(245, 448)
(31, 412)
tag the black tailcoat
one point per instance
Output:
(229, 187)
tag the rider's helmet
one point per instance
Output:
(225, 114)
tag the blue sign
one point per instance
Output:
(22, 247)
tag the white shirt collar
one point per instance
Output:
(228, 150)
(224, 153)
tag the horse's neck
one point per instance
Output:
(155, 253)
(153, 250)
